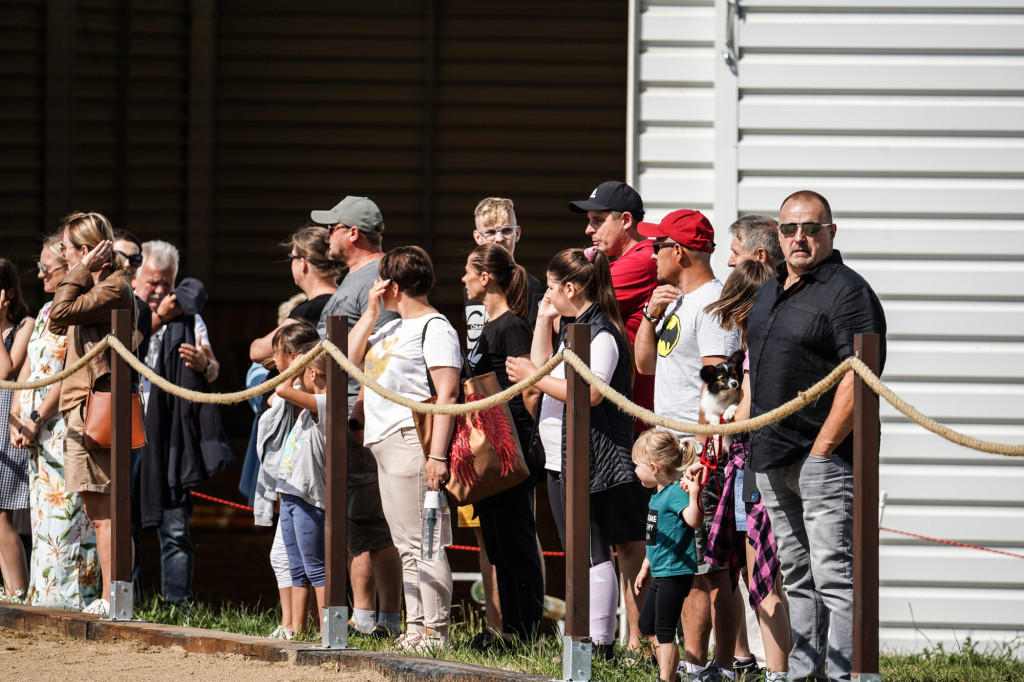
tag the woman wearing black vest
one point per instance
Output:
(580, 291)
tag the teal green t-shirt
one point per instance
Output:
(670, 544)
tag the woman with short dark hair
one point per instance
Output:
(417, 355)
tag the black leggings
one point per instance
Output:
(663, 605)
(601, 508)
(509, 531)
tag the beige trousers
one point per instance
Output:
(403, 481)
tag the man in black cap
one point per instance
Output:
(614, 210)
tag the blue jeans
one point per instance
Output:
(176, 554)
(810, 504)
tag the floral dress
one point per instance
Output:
(64, 568)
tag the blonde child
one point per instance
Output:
(671, 560)
(302, 481)
(275, 425)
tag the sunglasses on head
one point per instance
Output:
(134, 260)
(789, 229)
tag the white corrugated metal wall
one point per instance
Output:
(909, 116)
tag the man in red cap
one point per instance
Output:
(677, 337)
(613, 211)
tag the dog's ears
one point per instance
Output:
(738, 357)
(708, 373)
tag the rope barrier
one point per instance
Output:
(951, 543)
(217, 499)
(803, 398)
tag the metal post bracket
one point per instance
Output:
(334, 627)
(576, 658)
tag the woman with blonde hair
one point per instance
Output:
(63, 569)
(16, 329)
(95, 285)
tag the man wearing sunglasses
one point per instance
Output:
(678, 338)
(355, 232)
(801, 326)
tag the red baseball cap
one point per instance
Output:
(689, 228)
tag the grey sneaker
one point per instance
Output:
(713, 673)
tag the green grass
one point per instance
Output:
(969, 662)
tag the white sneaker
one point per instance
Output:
(281, 632)
(410, 641)
(99, 607)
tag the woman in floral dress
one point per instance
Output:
(63, 571)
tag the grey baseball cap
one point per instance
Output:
(358, 212)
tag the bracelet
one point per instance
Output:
(164, 322)
(438, 459)
(650, 318)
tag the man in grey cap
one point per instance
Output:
(354, 229)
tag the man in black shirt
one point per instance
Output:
(801, 326)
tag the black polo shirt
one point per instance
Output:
(796, 337)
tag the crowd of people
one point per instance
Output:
(675, 522)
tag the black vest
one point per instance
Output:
(611, 430)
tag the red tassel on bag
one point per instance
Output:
(499, 431)
(461, 454)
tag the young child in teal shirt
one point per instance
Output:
(671, 561)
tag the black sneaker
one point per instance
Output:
(745, 668)
(484, 641)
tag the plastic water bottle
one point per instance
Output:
(436, 520)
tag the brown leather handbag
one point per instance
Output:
(484, 456)
(97, 421)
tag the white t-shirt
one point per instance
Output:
(604, 356)
(302, 471)
(685, 336)
(398, 359)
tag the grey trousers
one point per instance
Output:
(810, 504)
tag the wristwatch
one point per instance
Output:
(355, 425)
(209, 368)
(36, 417)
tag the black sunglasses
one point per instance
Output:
(658, 246)
(789, 229)
(134, 260)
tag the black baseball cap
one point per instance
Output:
(191, 295)
(612, 196)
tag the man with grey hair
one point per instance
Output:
(354, 232)
(754, 237)
(154, 283)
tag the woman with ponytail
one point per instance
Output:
(580, 291)
(507, 524)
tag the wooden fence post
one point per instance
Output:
(577, 644)
(866, 432)
(121, 594)
(334, 619)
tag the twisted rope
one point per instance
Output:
(912, 413)
(782, 411)
(460, 408)
(215, 398)
(59, 376)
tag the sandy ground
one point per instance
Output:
(36, 656)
